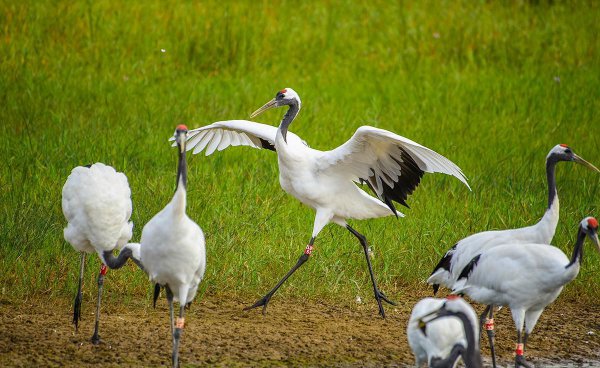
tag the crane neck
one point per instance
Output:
(179, 199)
(546, 227)
(470, 355)
(551, 176)
(578, 250)
(290, 115)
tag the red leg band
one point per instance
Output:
(103, 269)
(489, 324)
(308, 250)
(519, 350)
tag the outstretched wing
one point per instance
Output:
(391, 165)
(222, 134)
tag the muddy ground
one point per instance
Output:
(293, 333)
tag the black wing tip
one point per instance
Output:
(436, 288)
(446, 260)
(466, 272)
(267, 145)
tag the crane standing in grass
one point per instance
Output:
(172, 249)
(524, 277)
(96, 201)
(391, 165)
(443, 330)
(452, 263)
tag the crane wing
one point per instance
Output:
(390, 164)
(222, 134)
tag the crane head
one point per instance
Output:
(562, 152)
(180, 136)
(589, 226)
(286, 96)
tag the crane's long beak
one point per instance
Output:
(594, 238)
(269, 105)
(180, 138)
(579, 160)
(433, 315)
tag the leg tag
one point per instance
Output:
(179, 322)
(519, 350)
(309, 249)
(489, 324)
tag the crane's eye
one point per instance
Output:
(568, 150)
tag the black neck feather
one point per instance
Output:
(289, 116)
(578, 250)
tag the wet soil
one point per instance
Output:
(293, 333)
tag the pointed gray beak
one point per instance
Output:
(180, 138)
(269, 105)
(594, 238)
(583, 162)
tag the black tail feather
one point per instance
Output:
(156, 294)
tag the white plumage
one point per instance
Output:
(433, 341)
(524, 277)
(96, 202)
(172, 249)
(326, 180)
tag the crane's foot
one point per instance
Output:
(96, 339)
(77, 310)
(381, 296)
(263, 302)
(521, 362)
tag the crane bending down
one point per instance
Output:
(525, 278)
(172, 249)
(456, 259)
(96, 201)
(325, 181)
(440, 339)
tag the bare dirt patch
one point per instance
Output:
(293, 333)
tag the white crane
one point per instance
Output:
(525, 278)
(96, 201)
(172, 249)
(452, 263)
(441, 340)
(326, 181)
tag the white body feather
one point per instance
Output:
(172, 249)
(96, 202)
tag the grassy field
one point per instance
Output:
(492, 86)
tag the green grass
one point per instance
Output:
(82, 82)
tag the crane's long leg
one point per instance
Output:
(264, 301)
(489, 328)
(177, 335)
(520, 352)
(78, 296)
(379, 296)
(171, 312)
(95, 336)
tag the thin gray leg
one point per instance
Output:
(264, 301)
(177, 335)
(379, 296)
(79, 296)
(489, 326)
(171, 312)
(95, 336)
